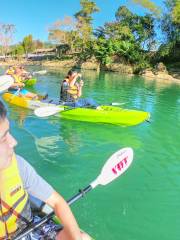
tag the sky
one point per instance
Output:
(35, 16)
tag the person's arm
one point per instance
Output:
(33, 182)
(63, 212)
(19, 85)
(80, 86)
(74, 79)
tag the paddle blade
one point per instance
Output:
(117, 103)
(41, 72)
(5, 82)
(47, 111)
(115, 166)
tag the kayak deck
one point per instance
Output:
(107, 114)
(30, 82)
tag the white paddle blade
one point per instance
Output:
(115, 166)
(47, 111)
(41, 72)
(117, 103)
(5, 82)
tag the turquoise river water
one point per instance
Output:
(142, 204)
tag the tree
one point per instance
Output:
(124, 15)
(170, 26)
(126, 38)
(130, 27)
(114, 30)
(176, 12)
(6, 36)
(64, 32)
(58, 31)
(27, 44)
(84, 20)
(18, 51)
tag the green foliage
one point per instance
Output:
(19, 50)
(103, 50)
(165, 50)
(27, 44)
(125, 38)
(130, 27)
(114, 30)
(170, 26)
(176, 12)
(84, 20)
(124, 15)
(141, 65)
(88, 8)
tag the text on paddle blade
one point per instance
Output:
(119, 166)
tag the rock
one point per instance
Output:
(163, 76)
(160, 70)
(148, 73)
(160, 67)
(119, 67)
(90, 66)
(65, 63)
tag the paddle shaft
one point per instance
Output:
(50, 215)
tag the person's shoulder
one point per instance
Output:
(66, 80)
(22, 163)
(20, 159)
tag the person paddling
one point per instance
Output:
(71, 92)
(18, 86)
(18, 179)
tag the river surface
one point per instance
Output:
(142, 204)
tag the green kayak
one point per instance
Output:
(108, 114)
(30, 82)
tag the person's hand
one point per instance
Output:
(79, 75)
(22, 85)
(81, 83)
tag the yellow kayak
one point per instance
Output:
(24, 101)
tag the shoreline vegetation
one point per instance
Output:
(147, 45)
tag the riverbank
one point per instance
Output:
(171, 73)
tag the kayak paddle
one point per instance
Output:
(42, 72)
(114, 167)
(117, 103)
(5, 82)
(47, 111)
(52, 110)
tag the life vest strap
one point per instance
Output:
(11, 211)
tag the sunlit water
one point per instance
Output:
(144, 203)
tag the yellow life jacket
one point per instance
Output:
(68, 94)
(13, 199)
(10, 72)
(17, 79)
